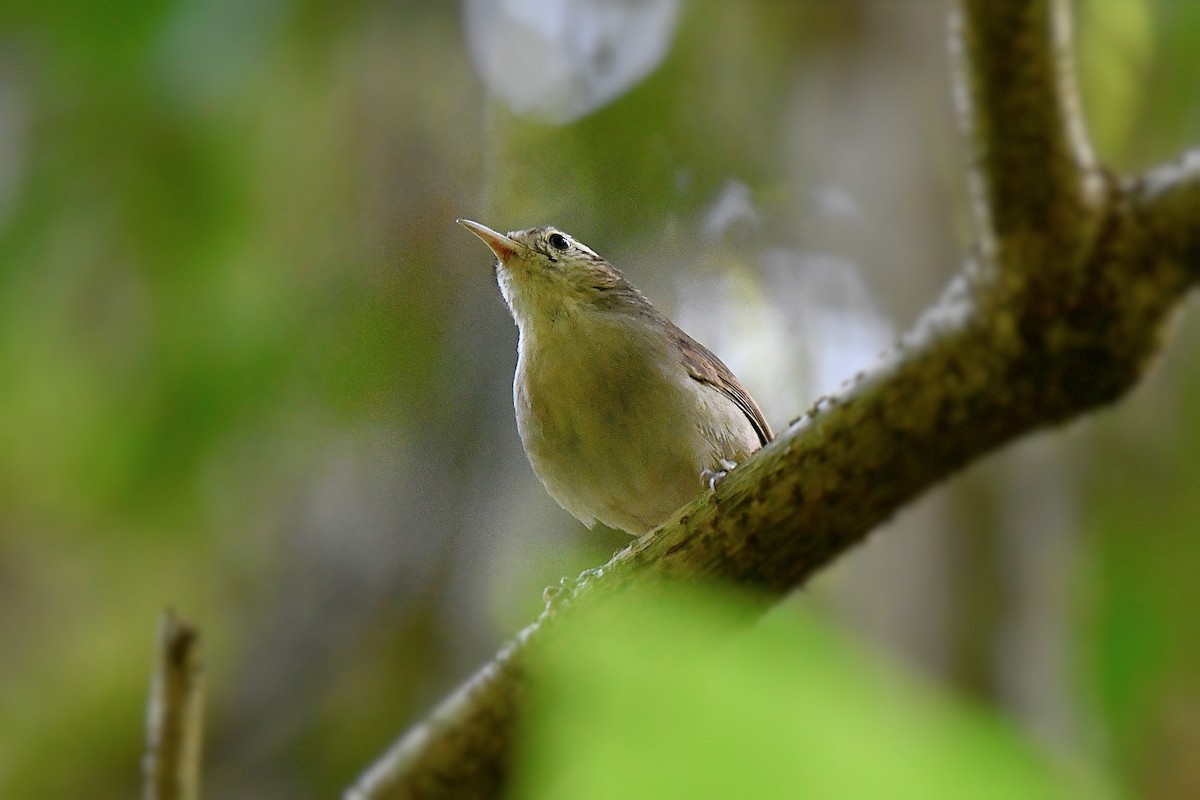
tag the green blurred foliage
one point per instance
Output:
(651, 696)
(1142, 588)
(200, 284)
(668, 161)
(1116, 43)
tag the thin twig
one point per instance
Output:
(175, 715)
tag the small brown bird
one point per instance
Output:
(624, 416)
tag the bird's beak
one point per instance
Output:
(501, 245)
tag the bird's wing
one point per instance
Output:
(705, 367)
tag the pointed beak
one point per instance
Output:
(501, 245)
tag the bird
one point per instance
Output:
(623, 416)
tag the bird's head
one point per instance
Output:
(544, 272)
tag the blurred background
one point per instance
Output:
(251, 369)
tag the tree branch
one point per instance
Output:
(1033, 167)
(1168, 200)
(1057, 316)
(174, 721)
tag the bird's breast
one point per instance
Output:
(614, 426)
(574, 393)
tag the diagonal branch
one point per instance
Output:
(1059, 316)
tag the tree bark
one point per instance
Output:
(1057, 312)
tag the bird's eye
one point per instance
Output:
(558, 241)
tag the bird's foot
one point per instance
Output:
(714, 476)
